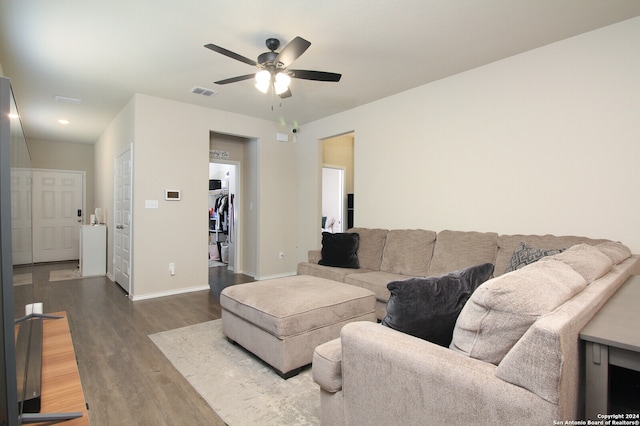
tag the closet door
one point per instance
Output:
(122, 220)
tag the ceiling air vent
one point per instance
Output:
(203, 91)
(67, 100)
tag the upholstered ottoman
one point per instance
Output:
(283, 320)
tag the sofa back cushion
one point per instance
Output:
(459, 249)
(507, 244)
(372, 242)
(586, 260)
(501, 310)
(615, 251)
(408, 252)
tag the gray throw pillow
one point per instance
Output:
(429, 307)
(524, 255)
(340, 250)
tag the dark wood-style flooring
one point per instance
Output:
(125, 378)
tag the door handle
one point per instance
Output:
(119, 227)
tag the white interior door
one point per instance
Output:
(333, 198)
(58, 203)
(122, 220)
(21, 216)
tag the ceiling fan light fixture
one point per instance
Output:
(262, 86)
(263, 80)
(281, 83)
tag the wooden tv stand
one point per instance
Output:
(61, 387)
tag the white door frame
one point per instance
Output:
(237, 205)
(125, 222)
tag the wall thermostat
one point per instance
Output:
(172, 195)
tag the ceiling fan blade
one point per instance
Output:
(235, 79)
(231, 54)
(292, 51)
(315, 75)
(286, 94)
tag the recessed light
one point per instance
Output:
(13, 116)
(63, 121)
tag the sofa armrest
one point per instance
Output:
(388, 375)
(327, 366)
(314, 256)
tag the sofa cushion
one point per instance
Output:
(408, 252)
(524, 255)
(328, 272)
(375, 281)
(428, 307)
(508, 243)
(586, 260)
(372, 242)
(501, 310)
(616, 251)
(340, 250)
(314, 256)
(457, 250)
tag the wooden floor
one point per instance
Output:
(125, 378)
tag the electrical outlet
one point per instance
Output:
(172, 268)
(281, 255)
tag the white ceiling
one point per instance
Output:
(103, 52)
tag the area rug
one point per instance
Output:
(239, 387)
(22, 279)
(64, 275)
(216, 263)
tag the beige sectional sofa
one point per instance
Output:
(390, 255)
(515, 356)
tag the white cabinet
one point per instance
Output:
(93, 250)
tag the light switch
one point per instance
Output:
(151, 204)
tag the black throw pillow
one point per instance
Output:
(429, 307)
(340, 249)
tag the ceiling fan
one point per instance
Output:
(274, 72)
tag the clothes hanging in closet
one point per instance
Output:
(221, 213)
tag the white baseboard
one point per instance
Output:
(168, 293)
(270, 277)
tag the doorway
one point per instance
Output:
(337, 182)
(224, 226)
(333, 199)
